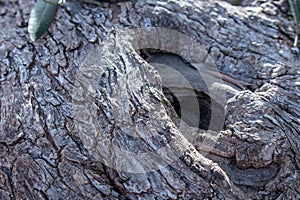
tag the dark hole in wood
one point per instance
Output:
(200, 118)
(204, 104)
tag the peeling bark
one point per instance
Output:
(74, 103)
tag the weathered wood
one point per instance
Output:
(81, 110)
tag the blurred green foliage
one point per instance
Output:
(295, 8)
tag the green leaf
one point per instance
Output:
(55, 2)
(92, 2)
(40, 19)
(295, 7)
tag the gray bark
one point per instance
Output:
(82, 111)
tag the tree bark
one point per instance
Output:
(85, 116)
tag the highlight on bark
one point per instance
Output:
(89, 100)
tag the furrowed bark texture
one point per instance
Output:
(49, 147)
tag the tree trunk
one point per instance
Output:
(124, 101)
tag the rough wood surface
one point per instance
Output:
(49, 111)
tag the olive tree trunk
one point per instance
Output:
(113, 102)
